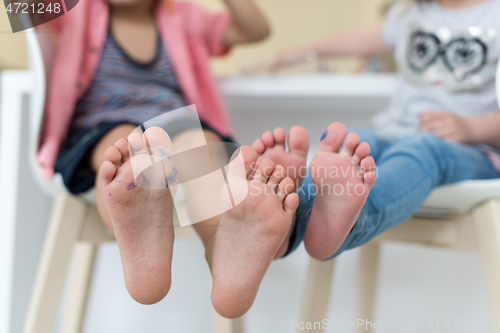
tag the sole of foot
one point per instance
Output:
(250, 234)
(142, 218)
(342, 182)
(272, 145)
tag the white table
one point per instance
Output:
(261, 103)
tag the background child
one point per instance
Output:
(119, 64)
(441, 126)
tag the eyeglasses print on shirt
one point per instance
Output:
(462, 56)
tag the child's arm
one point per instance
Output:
(475, 130)
(361, 43)
(248, 24)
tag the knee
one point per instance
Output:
(423, 140)
(423, 147)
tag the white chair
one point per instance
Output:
(75, 229)
(463, 216)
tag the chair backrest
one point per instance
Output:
(36, 110)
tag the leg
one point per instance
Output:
(487, 223)
(367, 282)
(141, 218)
(408, 170)
(195, 199)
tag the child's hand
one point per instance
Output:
(359, 43)
(446, 126)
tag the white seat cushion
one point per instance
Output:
(462, 197)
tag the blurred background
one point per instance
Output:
(293, 22)
(416, 284)
(297, 22)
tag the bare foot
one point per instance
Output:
(142, 218)
(294, 161)
(249, 236)
(343, 181)
(272, 146)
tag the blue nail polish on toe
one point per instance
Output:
(324, 135)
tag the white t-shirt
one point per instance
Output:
(446, 62)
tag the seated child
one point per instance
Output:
(121, 63)
(440, 128)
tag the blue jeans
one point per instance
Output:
(408, 170)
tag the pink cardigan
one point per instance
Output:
(191, 34)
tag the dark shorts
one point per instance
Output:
(73, 162)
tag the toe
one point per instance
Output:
(367, 164)
(298, 141)
(107, 172)
(264, 170)
(268, 139)
(285, 187)
(113, 155)
(370, 178)
(122, 146)
(351, 142)
(277, 176)
(259, 146)
(361, 152)
(139, 156)
(370, 170)
(291, 203)
(159, 143)
(136, 143)
(333, 138)
(249, 158)
(279, 136)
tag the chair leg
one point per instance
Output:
(317, 292)
(66, 222)
(487, 224)
(224, 325)
(83, 263)
(367, 284)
